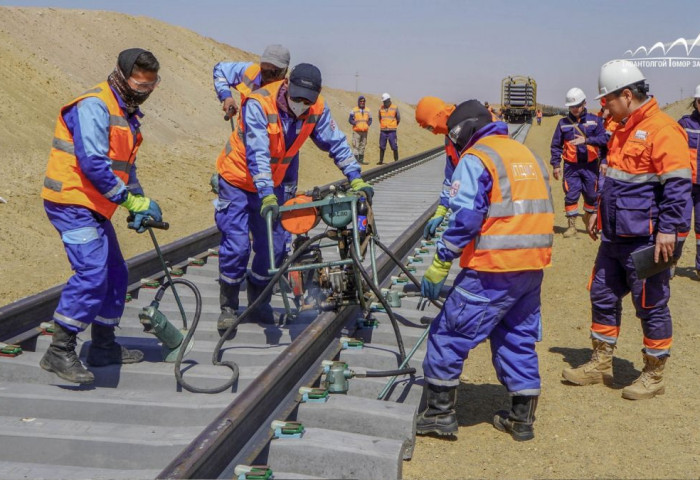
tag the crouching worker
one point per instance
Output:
(502, 231)
(91, 171)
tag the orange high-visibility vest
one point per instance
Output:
(387, 117)
(361, 117)
(232, 165)
(518, 231)
(248, 81)
(569, 151)
(65, 182)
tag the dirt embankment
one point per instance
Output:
(49, 56)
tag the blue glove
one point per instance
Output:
(269, 204)
(141, 208)
(431, 227)
(359, 185)
(434, 278)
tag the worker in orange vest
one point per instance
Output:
(502, 233)
(389, 119)
(538, 115)
(360, 119)
(91, 171)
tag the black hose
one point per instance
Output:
(382, 300)
(397, 261)
(387, 373)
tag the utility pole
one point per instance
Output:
(357, 79)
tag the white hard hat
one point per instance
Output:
(617, 74)
(574, 97)
(385, 97)
(697, 91)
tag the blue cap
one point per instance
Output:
(305, 82)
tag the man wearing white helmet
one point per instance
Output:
(641, 204)
(389, 120)
(576, 141)
(691, 124)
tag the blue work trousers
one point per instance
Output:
(97, 290)
(503, 307)
(580, 179)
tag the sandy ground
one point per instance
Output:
(581, 432)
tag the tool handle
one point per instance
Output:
(229, 113)
(148, 222)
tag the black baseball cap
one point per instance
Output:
(305, 82)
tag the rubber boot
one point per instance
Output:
(519, 421)
(61, 359)
(586, 218)
(104, 349)
(439, 416)
(396, 154)
(228, 299)
(597, 370)
(263, 313)
(571, 230)
(650, 383)
(381, 156)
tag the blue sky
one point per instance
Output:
(452, 49)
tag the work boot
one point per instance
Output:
(571, 230)
(597, 370)
(228, 299)
(518, 422)
(586, 218)
(381, 157)
(650, 383)
(361, 159)
(396, 154)
(263, 313)
(673, 268)
(104, 350)
(61, 359)
(439, 416)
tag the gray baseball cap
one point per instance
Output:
(276, 55)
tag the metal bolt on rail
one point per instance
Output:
(285, 429)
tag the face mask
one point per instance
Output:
(297, 108)
(132, 99)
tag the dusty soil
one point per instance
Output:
(581, 432)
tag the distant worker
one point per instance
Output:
(641, 204)
(91, 171)
(494, 117)
(389, 119)
(576, 141)
(274, 123)
(432, 114)
(538, 114)
(691, 124)
(502, 231)
(360, 119)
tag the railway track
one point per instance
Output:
(137, 422)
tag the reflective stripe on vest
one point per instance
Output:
(232, 164)
(361, 118)
(387, 118)
(518, 231)
(247, 84)
(65, 183)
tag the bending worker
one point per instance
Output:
(274, 123)
(360, 119)
(502, 231)
(432, 114)
(647, 186)
(389, 119)
(91, 171)
(576, 140)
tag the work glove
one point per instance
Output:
(359, 185)
(141, 208)
(269, 204)
(434, 222)
(214, 182)
(434, 278)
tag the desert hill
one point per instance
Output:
(51, 55)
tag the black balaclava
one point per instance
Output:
(118, 79)
(465, 121)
